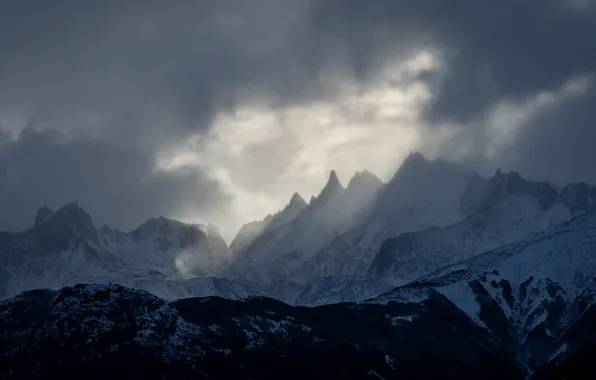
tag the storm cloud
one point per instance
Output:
(234, 96)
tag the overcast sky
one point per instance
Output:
(218, 110)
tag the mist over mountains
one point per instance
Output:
(511, 261)
(222, 189)
(430, 214)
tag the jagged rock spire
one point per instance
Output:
(70, 220)
(333, 183)
(297, 201)
(333, 180)
(331, 190)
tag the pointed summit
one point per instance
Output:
(333, 180)
(73, 214)
(333, 185)
(414, 161)
(297, 201)
(364, 179)
(416, 167)
(290, 212)
(68, 222)
(330, 191)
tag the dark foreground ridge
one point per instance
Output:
(107, 331)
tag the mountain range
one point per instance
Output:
(504, 267)
(347, 244)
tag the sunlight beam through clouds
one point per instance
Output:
(262, 155)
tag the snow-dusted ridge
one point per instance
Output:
(532, 292)
(503, 209)
(166, 257)
(280, 250)
(101, 329)
(350, 243)
(64, 248)
(503, 264)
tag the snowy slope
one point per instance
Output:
(63, 244)
(504, 209)
(172, 247)
(64, 248)
(94, 331)
(431, 214)
(530, 292)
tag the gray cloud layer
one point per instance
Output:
(93, 91)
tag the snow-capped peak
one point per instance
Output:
(503, 185)
(170, 233)
(70, 218)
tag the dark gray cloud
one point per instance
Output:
(495, 51)
(114, 182)
(559, 143)
(184, 58)
(121, 80)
